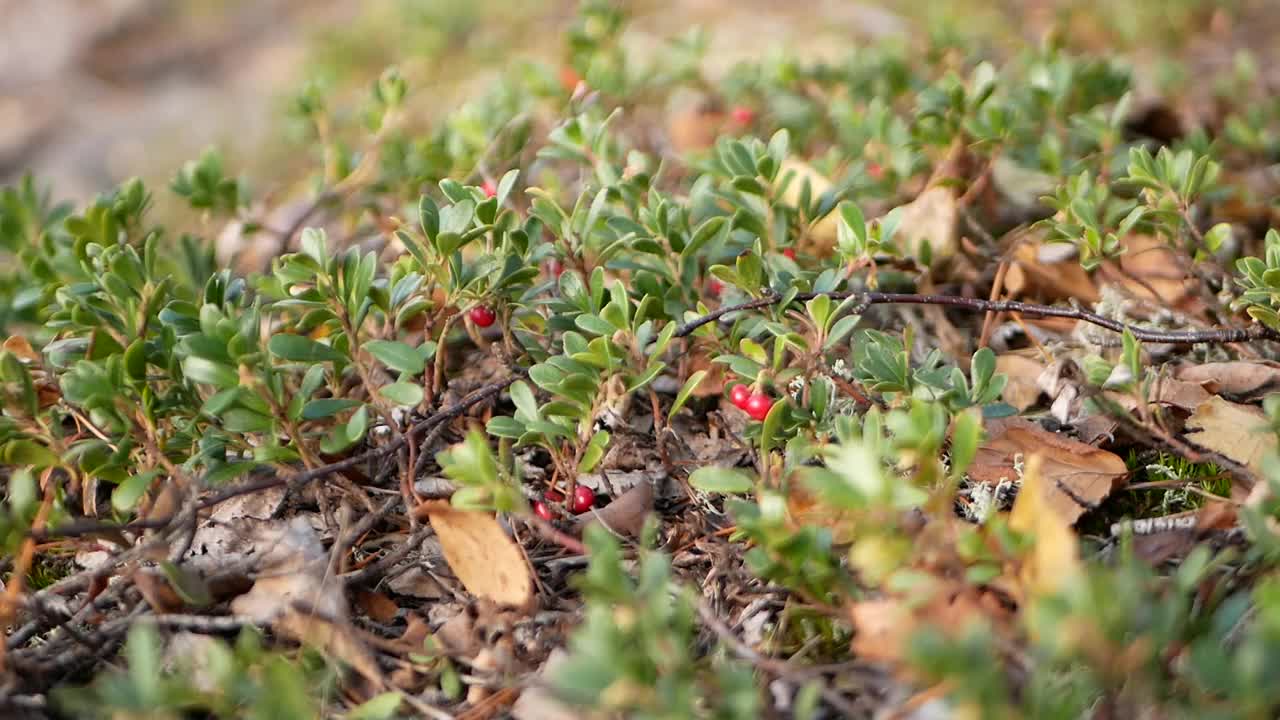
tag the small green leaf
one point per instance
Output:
(297, 348)
(593, 452)
(1217, 235)
(28, 452)
(126, 495)
(965, 436)
(770, 431)
(208, 372)
(327, 407)
(397, 356)
(402, 393)
(720, 480)
(507, 427)
(753, 351)
(379, 707)
(687, 390)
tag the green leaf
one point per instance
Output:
(242, 420)
(753, 351)
(379, 707)
(344, 436)
(506, 427)
(397, 356)
(402, 393)
(595, 325)
(721, 480)
(1217, 235)
(297, 348)
(522, 397)
(770, 431)
(650, 373)
(965, 437)
(28, 453)
(208, 372)
(12, 370)
(685, 391)
(593, 453)
(126, 495)
(327, 407)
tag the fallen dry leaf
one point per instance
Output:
(1240, 379)
(1054, 561)
(883, 627)
(21, 347)
(822, 236)
(626, 514)
(539, 703)
(1022, 390)
(1235, 431)
(1038, 270)
(377, 606)
(415, 582)
(1076, 476)
(695, 124)
(1149, 264)
(1178, 393)
(294, 594)
(484, 558)
(804, 509)
(930, 218)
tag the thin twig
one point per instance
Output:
(1170, 337)
(768, 664)
(300, 479)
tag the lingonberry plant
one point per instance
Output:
(859, 355)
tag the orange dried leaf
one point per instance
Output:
(19, 346)
(1022, 391)
(484, 558)
(1075, 475)
(1036, 271)
(1238, 378)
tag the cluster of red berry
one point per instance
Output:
(583, 500)
(755, 404)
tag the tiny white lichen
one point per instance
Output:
(842, 370)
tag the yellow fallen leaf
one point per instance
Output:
(930, 218)
(1054, 561)
(484, 558)
(1236, 431)
(822, 236)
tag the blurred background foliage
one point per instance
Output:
(93, 92)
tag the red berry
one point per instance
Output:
(541, 510)
(555, 268)
(583, 499)
(739, 395)
(554, 496)
(569, 79)
(482, 316)
(714, 286)
(742, 115)
(758, 406)
(790, 252)
(489, 189)
(874, 170)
